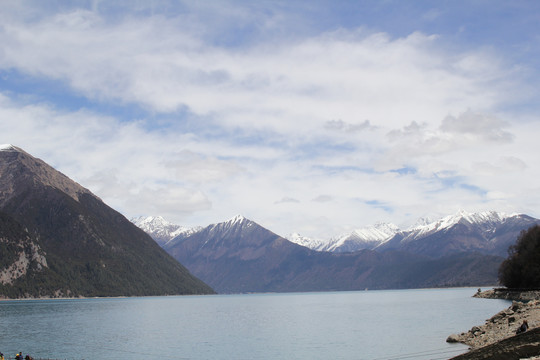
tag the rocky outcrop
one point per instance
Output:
(28, 256)
(500, 326)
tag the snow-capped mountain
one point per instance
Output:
(161, 230)
(167, 233)
(488, 232)
(368, 237)
(234, 225)
(486, 222)
(314, 244)
(485, 232)
(364, 238)
(239, 255)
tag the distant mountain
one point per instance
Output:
(486, 232)
(313, 244)
(360, 239)
(161, 230)
(58, 239)
(241, 256)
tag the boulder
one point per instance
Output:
(453, 339)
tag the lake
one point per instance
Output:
(371, 325)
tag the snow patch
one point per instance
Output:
(7, 147)
(237, 219)
(314, 244)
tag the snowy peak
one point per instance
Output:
(377, 232)
(150, 222)
(8, 147)
(487, 218)
(169, 235)
(314, 244)
(492, 231)
(238, 219)
(236, 223)
(488, 232)
(160, 229)
(488, 221)
(363, 238)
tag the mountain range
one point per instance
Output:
(57, 239)
(488, 232)
(239, 255)
(485, 232)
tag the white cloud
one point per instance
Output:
(507, 164)
(323, 198)
(350, 114)
(287, 200)
(340, 125)
(196, 168)
(163, 64)
(476, 125)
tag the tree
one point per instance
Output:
(522, 267)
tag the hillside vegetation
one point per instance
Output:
(522, 267)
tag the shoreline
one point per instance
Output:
(498, 334)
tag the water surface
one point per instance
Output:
(371, 325)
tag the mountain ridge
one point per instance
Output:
(485, 223)
(81, 246)
(384, 236)
(238, 256)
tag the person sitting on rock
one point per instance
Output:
(523, 327)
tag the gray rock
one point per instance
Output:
(452, 338)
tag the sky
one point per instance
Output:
(316, 117)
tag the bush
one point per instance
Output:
(522, 267)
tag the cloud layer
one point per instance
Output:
(185, 115)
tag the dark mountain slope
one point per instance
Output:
(241, 256)
(90, 249)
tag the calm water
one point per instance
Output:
(401, 324)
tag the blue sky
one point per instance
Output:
(315, 117)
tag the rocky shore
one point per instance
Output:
(497, 339)
(508, 294)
